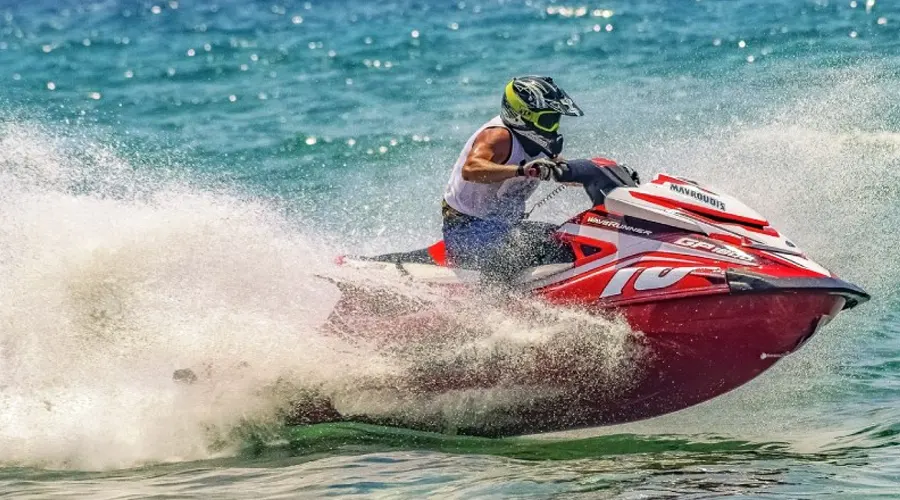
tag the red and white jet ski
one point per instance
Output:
(717, 294)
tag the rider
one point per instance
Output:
(501, 166)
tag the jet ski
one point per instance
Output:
(713, 293)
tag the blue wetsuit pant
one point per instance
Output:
(474, 243)
(500, 249)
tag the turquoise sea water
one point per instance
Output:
(175, 174)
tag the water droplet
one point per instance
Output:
(47, 48)
(129, 74)
(95, 96)
(332, 53)
(311, 140)
(17, 76)
(853, 4)
(191, 53)
(717, 42)
(254, 57)
(882, 20)
(349, 81)
(156, 9)
(297, 19)
(597, 28)
(351, 142)
(173, 5)
(170, 71)
(244, 67)
(853, 34)
(394, 142)
(86, 42)
(742, 44)
(750, 59)
(609, 27)
(368, 40)
(232, 98)
(311, 45)
(262, 96)
(207, 47)
(376, 63)
(415, 33)
(454, 26)
(51, 86)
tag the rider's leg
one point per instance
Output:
(473, 244)
(527, 244)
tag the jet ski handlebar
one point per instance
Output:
(599, 176)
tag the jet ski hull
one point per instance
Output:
(702, 347)
(689, 350)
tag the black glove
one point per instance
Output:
(544, 169)
(632, 172)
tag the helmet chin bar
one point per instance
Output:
(535, 142)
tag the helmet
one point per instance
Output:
(532, 107)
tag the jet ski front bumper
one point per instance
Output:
(743, 281)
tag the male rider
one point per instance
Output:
(499, 168)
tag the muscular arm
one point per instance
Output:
(484, 165)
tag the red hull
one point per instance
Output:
(702, 347)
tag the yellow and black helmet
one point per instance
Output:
(536, 103)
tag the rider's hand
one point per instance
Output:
(543, 169)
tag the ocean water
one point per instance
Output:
(176, 177)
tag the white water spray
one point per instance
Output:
(104, 296)
(115, 278)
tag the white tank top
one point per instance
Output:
(500, 200)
